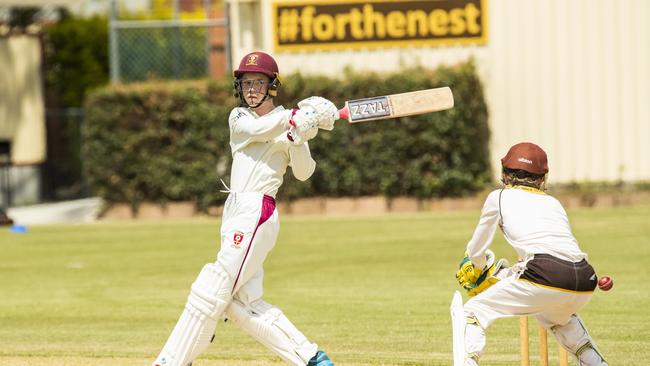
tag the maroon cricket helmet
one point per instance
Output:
(526, 156)
(258, 62)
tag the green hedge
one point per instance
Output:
(75, 59)
(169, 142)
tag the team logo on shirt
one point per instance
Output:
(237, 238)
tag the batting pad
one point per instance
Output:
(458, 329)
(269, 326)
(194, 330)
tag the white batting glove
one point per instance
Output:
(325, 110)
(304, 126)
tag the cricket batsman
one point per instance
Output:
(265, 139)
(552, 280)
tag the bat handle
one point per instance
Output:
(344, 113)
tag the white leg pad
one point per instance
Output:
(269, 326)
(575, 338)
(458, 325)
(474, 340)
(208, 299)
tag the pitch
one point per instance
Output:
(368, 290)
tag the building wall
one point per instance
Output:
(22, 119)
(572, 76)
(22, 113)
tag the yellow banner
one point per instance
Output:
(341, 24)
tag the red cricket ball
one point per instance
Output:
(605, 283)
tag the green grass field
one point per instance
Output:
(368, 290)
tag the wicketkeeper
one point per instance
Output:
(552, 280)
(264, 139)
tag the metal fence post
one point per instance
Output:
(113, 44)
(228, 38)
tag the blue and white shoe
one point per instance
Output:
(320, 359)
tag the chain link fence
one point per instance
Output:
(170, 48)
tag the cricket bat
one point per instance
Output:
(397, 105)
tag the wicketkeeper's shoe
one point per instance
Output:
(320, 359)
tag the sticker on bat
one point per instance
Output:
(369, 108)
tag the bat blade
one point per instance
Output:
(397, 105)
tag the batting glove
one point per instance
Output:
(326, 111)
(303, 126)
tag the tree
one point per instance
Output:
(76, 58)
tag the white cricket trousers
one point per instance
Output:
(234, 285)
(514, 297)
(249, 230)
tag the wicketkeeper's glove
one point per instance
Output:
(475, 280)
(467, 273)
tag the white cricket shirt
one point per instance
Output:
(261, 151)
(532, 222)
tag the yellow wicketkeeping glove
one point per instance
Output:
(467, 274)
(475, 283)
(483, 282)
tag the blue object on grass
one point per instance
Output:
(18, 229)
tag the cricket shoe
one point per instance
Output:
(320, 359)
